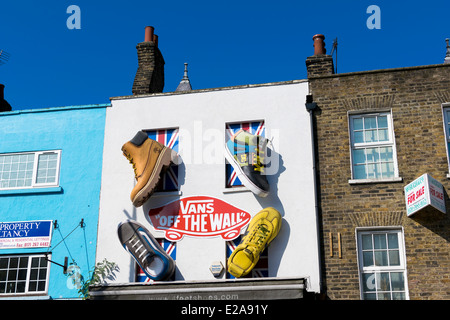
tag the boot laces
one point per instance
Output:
(257, 237)
(130, 159)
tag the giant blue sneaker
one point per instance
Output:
(147, 252)
(246, 153)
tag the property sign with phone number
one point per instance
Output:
(25, 234)
(422, 192)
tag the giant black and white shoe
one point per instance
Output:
(147, 252)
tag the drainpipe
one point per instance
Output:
(310, 107)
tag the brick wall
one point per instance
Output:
(415, 96)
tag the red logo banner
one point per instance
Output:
(199, 216)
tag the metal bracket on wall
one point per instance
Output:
(339, 246)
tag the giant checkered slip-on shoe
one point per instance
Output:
(149, 159)
(262, 229)
(147, 252)
(246, 153)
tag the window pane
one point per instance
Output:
(381, 258)
(398, 283)
(366, 241)
(380, 241)
(358, 136)
(359, 172)
(387, 169)
(20, 286)
(398, 296)
(370, 136)
(383, 135)
(393, 240)
(382, 122)
(4, 263)
(370, 296)
(372, 171)
(384, 296)
(368, 282)
(33, 274)
(44, 175)
(394, 258)
(368, 258)
(370, 123)
(13, 262)
(372, 155)
(357, 124)
(386, 154)
(383, 283)
(359, 156)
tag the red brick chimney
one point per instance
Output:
(320, 63)
(4, 105)
(150, 73)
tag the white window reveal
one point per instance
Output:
(373, 153)
(382, 265)
(29, 169)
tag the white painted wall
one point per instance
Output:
(200, 115)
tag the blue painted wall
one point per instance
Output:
(79, 133)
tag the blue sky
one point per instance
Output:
(226, 43)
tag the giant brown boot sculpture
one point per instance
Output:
(149, 159)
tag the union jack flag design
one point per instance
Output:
(169, 247)
(261, 270)
(255, 127)
(169, 138)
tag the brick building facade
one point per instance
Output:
(377, 131)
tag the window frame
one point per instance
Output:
(366, 145)
(28, 279)
(256, 126)
(446, 125)
(34, 183)
(173, 173)
(400, 268)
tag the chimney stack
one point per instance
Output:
(4, 105)
(150, 73)
(320, 63)
(447, 53)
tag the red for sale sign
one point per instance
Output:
(199, 216)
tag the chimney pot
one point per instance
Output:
(319, 44)
(149, 30)
(155, 39)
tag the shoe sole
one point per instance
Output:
(166, 157)
(241, 175)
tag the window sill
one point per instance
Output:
(235, 190)
(366, 181)
(30, 191)
(167, 193)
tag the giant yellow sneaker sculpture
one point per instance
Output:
(263, 228)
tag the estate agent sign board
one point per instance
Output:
(25, 234)
(423, 192)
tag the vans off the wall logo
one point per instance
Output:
(199, 216)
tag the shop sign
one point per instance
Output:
(25, 234)
(422, 192)
(199, 216)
